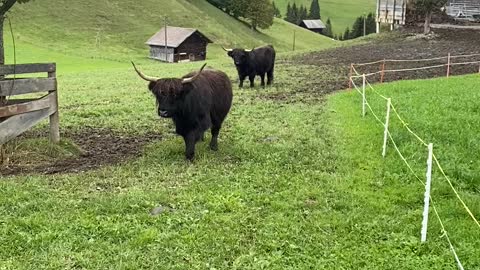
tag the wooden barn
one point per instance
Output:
(316, 26)
(176, 44)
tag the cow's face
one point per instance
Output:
(169, 94)
(239, 56)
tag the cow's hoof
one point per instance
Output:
(214, 147)
(190, 157)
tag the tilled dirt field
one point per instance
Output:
(320, 73)
(403, 46)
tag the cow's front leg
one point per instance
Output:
(190, 145)
(200, 137)
(241, 78)
(252, 81)
(262, 77)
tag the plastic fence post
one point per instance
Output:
(448, 65)
(387, 121)
(364, 99)
(427, 193)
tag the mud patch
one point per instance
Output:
(97, 148)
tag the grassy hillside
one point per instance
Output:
(119, 29)
(341, 12)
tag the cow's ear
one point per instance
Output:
(151, 86)
(229, 53)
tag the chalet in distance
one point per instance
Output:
(182, 44)
(316, 26)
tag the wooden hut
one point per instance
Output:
(316, 26)
(182, 44)
(464, 9)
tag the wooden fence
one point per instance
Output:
(19, 115)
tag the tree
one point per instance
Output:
(371, 24)
(259, 13)
(315, 10)
(357, 28)
(289, 15)
(302, 14)
(328, 30)
(347, 34)
(276, 11)
(427, 8)
(6, 5)
(295, 12)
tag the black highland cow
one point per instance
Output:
(196, 102)
(259, 61)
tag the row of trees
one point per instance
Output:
(362, 25)
(258, 13)
(297, 14)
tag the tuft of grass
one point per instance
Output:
(35, 152)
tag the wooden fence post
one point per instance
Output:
(448, 65)
(428, 187)
(382, 74)
(54, 118)
(294, 39)
(350, 76)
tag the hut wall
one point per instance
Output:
(195, 48)
(158, 53)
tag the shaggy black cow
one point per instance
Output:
(250, 63)
(196, 102)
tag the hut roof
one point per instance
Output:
(314, 24)
(175, 36)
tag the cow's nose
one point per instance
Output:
(163, 113)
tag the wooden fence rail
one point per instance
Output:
(19, 115)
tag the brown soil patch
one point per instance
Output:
(99, 147)
(400, 46)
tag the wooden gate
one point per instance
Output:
(19, 115)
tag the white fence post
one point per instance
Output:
(427, 193)
(364, 99)
(448, 65)
(387, 121)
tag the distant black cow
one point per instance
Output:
(196, 102)
(250, 63)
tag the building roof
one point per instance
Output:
(175, 36)
(314, 24)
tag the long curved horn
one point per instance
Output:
(143, 76)
(227, 50)
(250, 50)
(191, 79)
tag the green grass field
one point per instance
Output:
(341, 13)
(296, 184)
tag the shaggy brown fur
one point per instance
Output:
(194, 106)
